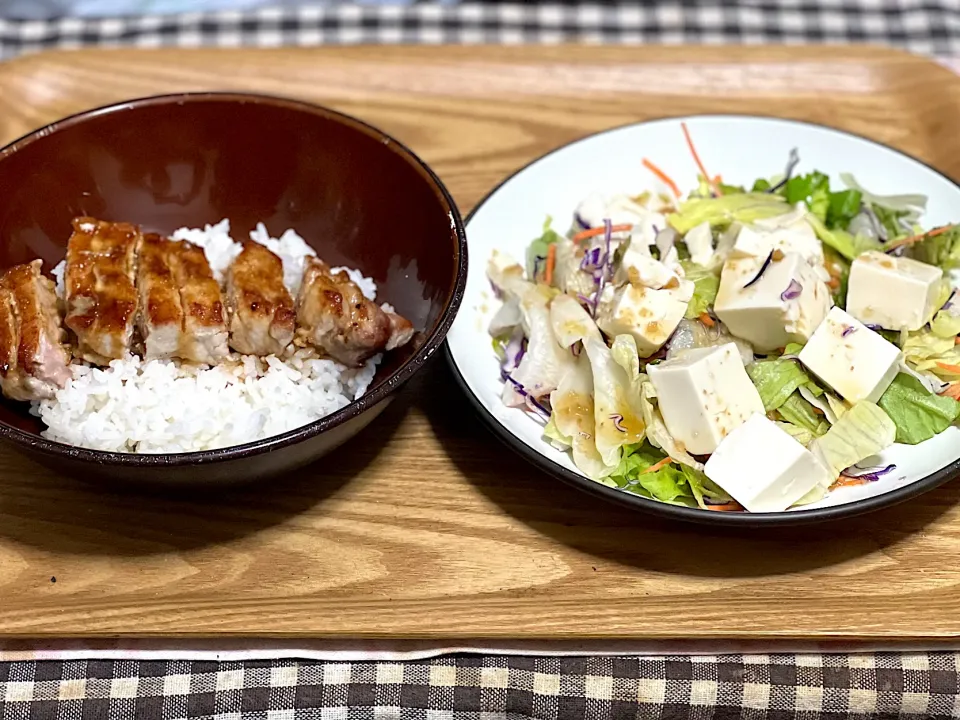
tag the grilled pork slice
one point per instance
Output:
(204, 336)
(34, 363)
(262, 317)
(334, 316)
(159, 316)
(100, 294)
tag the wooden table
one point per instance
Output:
(424, 526)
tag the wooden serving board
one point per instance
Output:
(425, 526)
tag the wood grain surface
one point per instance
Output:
(424, 526)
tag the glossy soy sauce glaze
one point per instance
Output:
(356, 195)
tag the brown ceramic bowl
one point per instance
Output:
(359, 197)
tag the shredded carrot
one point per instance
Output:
(656, 466)
(706, 319)
(551, 262)
(726, 507)
(956, 340)
(593, 232)
(833, 283)
(922, 236)
(696, 159)
(666, 179)
(952, 391)
(949, 368)
(844, 481)
(817, 411)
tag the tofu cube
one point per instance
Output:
(785, 305)
(763, 468)
(639, 267)
(788, 234)
(704, 394)
(699, 243)
(649, 315)
(894, 293)
(851, 358)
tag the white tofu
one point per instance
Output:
(704, 394)
(759, 314)
(894, 293)
(639, 267)
(650, 316)
(789, 234)
(699, 243)
(763, 468)
(851, 358)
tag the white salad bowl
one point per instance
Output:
(742, 148)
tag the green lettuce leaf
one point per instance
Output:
(942, 250)
(801, 435)
(537, 250)
(799, 412)
(945, 324)
(862, 431)
(722, 211)
(553, 434)
(705, 286)
(668, 484)
(847, 245)
(890, 220)
(926, 351)
(703, 488)
(776, 380)
(917, 413)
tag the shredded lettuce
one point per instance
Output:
(847, 245)
(945, 324)
(864, 430)
(776, 380)
(672, 483)
(801, 435)
(914, 205)
(721, 211)
(799, 412)
(917, 413)
(706, 284)
(926, 351)
(667, 484)
(942, 250)
(893, 221)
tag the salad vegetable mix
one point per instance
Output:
(737, 349)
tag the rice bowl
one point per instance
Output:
(168, 406)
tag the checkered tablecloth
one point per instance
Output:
(866, 687)
(491, 686)
(924, 26)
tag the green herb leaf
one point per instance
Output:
(844, 205)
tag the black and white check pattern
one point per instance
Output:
(852, 687)
(923, 26)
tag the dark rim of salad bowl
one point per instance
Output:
(368, 400)
(679, 512)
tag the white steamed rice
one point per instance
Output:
(164, 406)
